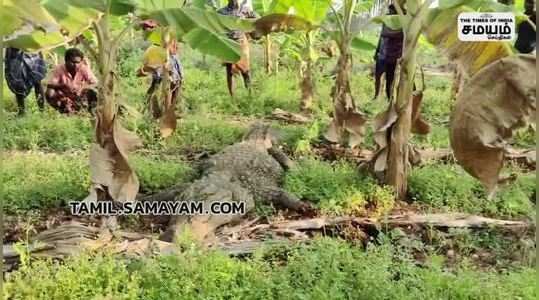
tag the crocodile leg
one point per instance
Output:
(176, 224)
(281, 158)
(164, 195)
(201, 227)
(284, 199)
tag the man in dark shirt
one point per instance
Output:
(526, 39)
(387, 54)
(24, 72)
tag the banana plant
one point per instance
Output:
(348, 123)
(438, 26)
(268, 7)
(307, 49)
(316, 12)
(313, 11)
(262, 8)
(397, 152)
(198, 28)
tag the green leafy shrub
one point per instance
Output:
(48, 131)
(291, 135)
(325, 269)
(311, 134)
(525, 138)
(444, 186)
(199, 133)
(517, 198)
(37, 180)
(338, 188)
(82, 277)
(450, 187)
(157, 173)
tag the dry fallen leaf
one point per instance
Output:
(109, 167)
(168, 122)
(347, 123)
(384, 122)
(419, 125)
(494, 103)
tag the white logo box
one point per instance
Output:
(486, 26)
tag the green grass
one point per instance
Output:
(438, 138)
(47, 132)
(206, 133)
(337, 188)
(56, 133)
(210, 95)
(515, 199)
(525, 138)
(52, 132)
(327, 269)
(37, 181)
(33, 181)
(156, 173)
(437, 102)
(448, 187)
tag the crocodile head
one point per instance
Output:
(262, 135)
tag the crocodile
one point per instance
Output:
(250, 171)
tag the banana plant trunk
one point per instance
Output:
(2, 118)
(276, 56)
(168, 122)
(398, 165)
(1, 83)
(111, 175)
(342, 95)
(268, 54)
(105, 96)
(306, 73)
(307, 87)
(348, 124)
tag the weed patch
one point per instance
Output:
(327, 269)
(338, 188)
(448, 187)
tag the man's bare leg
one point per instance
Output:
(247, 80)
(230, 79)
(40, 96)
